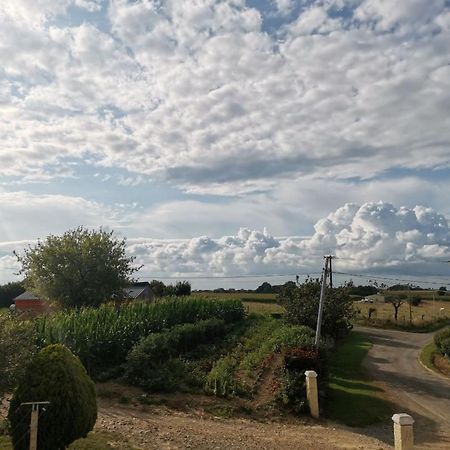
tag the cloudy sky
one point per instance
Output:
(233, 137)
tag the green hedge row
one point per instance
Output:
(442, 341)
(102, 337)
(148, 359)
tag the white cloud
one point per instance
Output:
(197, 94)
(27, 216)
(375, 236)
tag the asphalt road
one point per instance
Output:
(393, 363)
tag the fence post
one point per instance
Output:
(312, 393)
(403, 431)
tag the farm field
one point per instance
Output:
(254, 302)
(426, 312)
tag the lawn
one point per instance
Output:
(427, 355)
(353, 398)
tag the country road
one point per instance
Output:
(393, 363)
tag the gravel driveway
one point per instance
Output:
(393, 361)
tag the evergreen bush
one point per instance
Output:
(57, 376)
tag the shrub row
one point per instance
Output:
(103, 337)
(442, 341)
(148, 358)
(263, 339)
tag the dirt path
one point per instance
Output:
(163, 428)
(393, 361)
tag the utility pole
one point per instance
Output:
(34, 421)
(330, 258)
(327, 270)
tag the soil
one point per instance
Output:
(130, 418)
(198, 422)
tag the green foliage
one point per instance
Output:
(17, 346)
(442, 341)
(415, 300)
(180, 289)
(250, 357)
(302, 304)
(54, 375)
(158, 288)
(146, 360)
(102, 337)
(293, 382)
(363, 291)
(8, 292)
(79, 268)
(221, 380)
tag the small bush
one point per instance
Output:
(57, 376)
(442, 341)
(293, 386)
(147, 360)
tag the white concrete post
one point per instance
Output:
(312, 393)
(403, 431)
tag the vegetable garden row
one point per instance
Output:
(188, 344)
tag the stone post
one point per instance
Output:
(403, 431)
(312, 393)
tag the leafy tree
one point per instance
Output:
(182, 288)
(265, 288)
(10, 291)
(55, 375)
(302, 304)
(79, 268)
(17, 346)
(158, 288)
(442, 290)
(396, 301)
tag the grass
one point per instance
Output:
(352, 396)
(427, 355)
(97, 440)
(425, 317)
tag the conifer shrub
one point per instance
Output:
(57, 376)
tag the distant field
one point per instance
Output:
(254, 302)
(427, 311)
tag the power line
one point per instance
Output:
(221, 277)
(378, 277)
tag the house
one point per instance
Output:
(28, 302)
(139, 291)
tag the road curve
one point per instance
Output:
(393, 362)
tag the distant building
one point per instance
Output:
(139, 291)
(28, 302)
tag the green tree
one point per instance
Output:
(17, 346)
(79, 268)
(182, 288)
(9, 291)
(302, 304)
(396, 301)
(158, 288)
(57, 376)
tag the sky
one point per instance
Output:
(230, 138)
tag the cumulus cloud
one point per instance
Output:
(200, 95)
(375, 236)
